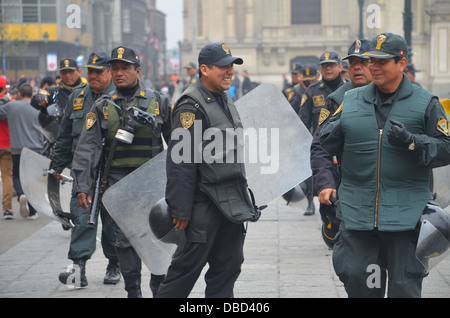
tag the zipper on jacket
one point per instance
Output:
(378, 178)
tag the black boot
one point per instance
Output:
(112, 275)
(133, 287)
(311, 209)
(79, 265)
(155, 281)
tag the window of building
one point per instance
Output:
(306, 11)
(126, 20)
(30, 12)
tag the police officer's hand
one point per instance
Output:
(398, 135)
(58, 176)
(325, 194)
(83, 200)
(180, 224)
(41, 101)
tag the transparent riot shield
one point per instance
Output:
(432, 246)
(441, 185)
(277, 158)
(34, 176)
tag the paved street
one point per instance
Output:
(285, 257)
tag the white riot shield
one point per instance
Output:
(441, 185)
(34, 176)
(277, 158)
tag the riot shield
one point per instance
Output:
(277, 151)
(34, 177)
(441, 186)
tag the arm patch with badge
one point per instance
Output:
(442, 126)
(91, 119)
(187, 120)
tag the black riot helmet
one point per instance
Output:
(50, 119)
(161, 224)
(434, 236)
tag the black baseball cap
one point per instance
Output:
(98, 60)
(330, 57)
(411, 68)
(190, 65)
(124, 54)
(358, 48)
(296, 68)
(68, 64)
(218, 54)
(309, 72)
(388, 45)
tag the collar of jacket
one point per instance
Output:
(404, 90)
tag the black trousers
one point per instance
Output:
(362, 259)
(211, 239)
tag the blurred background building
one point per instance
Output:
(270, 35)
(36, 34)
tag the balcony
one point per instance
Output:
(307, 34)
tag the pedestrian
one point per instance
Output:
(246, 83)
(389, 135)
(325, 168)
(110, 119)
(47, 81)
(24, 132)
(5, 157)
(84, 236)
(213, 227)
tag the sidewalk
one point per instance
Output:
(285, 257)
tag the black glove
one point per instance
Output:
(398, 135)
(40, 101)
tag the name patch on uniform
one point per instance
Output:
(187, 120)
(319, 100)
(78, 103)
(91, 119)
(324, 114)
(442, 126)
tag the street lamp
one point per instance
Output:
(361, 24)
(46, 36)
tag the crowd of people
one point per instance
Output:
(376, 136)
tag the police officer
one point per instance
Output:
(324, 167)
(106, 117)
(389, 135)
(296, 74)
(192, 72)
(208, 199)
(411, 71)
(316, 95)
(70, 81)
(83, 236)
(309, 75)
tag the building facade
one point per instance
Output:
(32, 29)
(269, 35)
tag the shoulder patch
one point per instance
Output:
(44, 92)
(91, 119)
(324, 114)
(339, 109)
(319, 100)
(442, 126)
(187, 120)
(304, 99)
